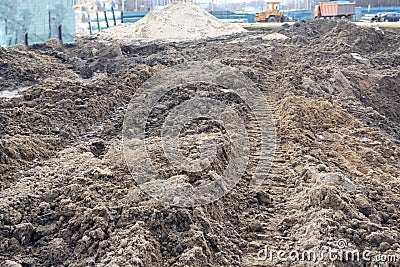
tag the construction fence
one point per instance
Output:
(36, 21)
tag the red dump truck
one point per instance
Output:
(331, 10)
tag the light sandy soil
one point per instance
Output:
(67, 196)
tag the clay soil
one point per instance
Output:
(67, 196)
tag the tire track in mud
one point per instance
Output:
(274, 194)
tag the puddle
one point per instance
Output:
(9, 94)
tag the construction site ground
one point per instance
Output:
(68, 198)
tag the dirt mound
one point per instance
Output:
(346, 35)
(18, 152)
(310, 29)
(176, 21)
(341, 35)
(54, 107)
(18, 74)
(69, 199)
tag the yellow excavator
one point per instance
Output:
(272, 14)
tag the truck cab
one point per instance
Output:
(317, 12)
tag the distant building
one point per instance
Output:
(365, 3)
(309, 4)
(40, 19)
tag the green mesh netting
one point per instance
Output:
(39, 18)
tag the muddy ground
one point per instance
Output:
(68, 199)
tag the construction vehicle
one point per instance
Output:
(272, 14)
(332, 10)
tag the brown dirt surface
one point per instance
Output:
(67, 196)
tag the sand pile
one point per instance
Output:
(275, 36)
(176, 21)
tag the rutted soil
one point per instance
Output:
(68, 198)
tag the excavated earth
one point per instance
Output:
(68, 199)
